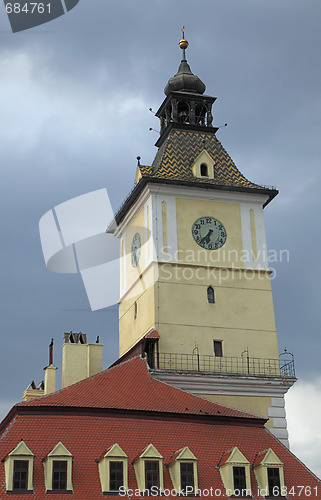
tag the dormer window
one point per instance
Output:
(203, 166)
(235, 473)
(182, 467)
(18, 465)
(58, 468)
(149, 470)
(268, 470)
(113, 470)
(204, 170)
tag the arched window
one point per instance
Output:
(204, 170)
(200, 113)
(183, 112)
(210, 295)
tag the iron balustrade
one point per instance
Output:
(225, 365)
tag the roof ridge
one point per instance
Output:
(291, 453)
(91, 377)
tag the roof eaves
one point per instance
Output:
(132, 197)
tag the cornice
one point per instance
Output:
(232, 385)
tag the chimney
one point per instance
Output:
(33, 391)
(50, 372)
(79, 359)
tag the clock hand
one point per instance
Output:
(207, 238)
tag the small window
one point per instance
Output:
(59, 475)
(116, 475)
(210, 295)
(274, 481)
(20, 475)
(187, 475)
(218, 349)
(151, 474)
(239, 478)
(204, 170)
(135, 310)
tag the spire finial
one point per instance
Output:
(183, 44)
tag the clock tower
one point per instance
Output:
(196, 294)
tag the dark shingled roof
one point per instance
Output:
(181, 148)
(173, 162)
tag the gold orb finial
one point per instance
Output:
(183, 43)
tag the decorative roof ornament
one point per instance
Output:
(184, 80)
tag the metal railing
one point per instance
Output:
(225, 365)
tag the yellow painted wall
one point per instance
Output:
(241, 317)
(252, 404)
(131, 330)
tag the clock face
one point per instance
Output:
(209, 233)
(135, 251)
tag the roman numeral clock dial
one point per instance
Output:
(209, 233)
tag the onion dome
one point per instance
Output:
(184, 80)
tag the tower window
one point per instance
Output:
(183, 112)
(135, 310)
(204, 170)
(218, 348)
(20, 475)
(239, 478)
(210, 295)
(200, 113)
(274, 481)
(151, 474)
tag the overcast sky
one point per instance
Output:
(74, 100)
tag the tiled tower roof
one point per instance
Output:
(176, 155)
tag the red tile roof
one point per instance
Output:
(87, 437)
(45, 421)
(225, 457)
(129, 386)
(173, 457)
(152, 334)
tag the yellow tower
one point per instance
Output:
(194, 265)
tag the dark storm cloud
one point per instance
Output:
(74, 98)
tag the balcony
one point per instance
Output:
(259, 367)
